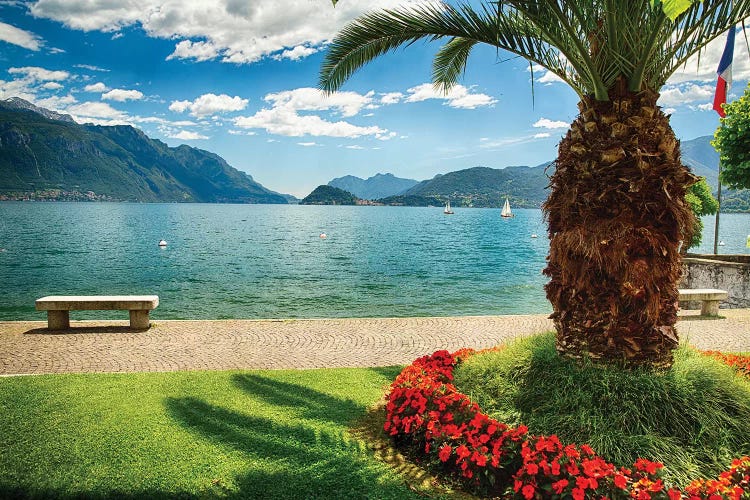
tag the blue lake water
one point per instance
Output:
(268, 261)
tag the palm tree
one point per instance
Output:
(616, 212)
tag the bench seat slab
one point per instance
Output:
(99, 302)
(58, 308)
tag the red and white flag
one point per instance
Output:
(724, 81)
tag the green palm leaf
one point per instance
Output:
(596, 46)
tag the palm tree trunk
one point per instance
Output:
(617, 217)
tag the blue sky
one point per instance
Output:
(238, 78)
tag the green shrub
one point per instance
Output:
(695, 418)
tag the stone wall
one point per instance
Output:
(725, 272)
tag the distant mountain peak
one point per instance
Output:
(17, 103)
(378, 186)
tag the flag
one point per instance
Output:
(724, 81)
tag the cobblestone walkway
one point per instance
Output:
(28, 348)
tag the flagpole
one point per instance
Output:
(723, 82)
(718, 210)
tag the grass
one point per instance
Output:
(694, 418)
(259, 434)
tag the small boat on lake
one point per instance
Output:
(506, 210)
(448, 210)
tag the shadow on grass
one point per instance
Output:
(309, 459)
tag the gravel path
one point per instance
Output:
(26, 347)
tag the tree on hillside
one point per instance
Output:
(616, 213)
(732, 141)
(702, 203)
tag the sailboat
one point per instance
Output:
(448, 210)
(506, 210)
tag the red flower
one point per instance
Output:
(528, 492)
(445, 453)
(648, 466)
(674, 494)
(578, 494)
(559, 486)
(621, 481)
(531, 469)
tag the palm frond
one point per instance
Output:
(450, 62)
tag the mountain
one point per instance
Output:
(487, 187)
(44, 155)
(702, 158)
(329, 195)
(18, 104)
(375, 187)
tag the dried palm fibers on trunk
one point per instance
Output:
(617, 216)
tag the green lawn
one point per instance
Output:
(254, 434)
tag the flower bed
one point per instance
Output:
(427, 413)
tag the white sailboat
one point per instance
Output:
(506, 209)
(448, 210)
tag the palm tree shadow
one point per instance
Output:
(286, 460)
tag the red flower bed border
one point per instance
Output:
(426, 412)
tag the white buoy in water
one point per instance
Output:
(721, 243)
(323, 236)
(162, 243)
(533, 236)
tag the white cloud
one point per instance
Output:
(286, 121)
(209, 104)
(549, 78)
(235, 31)
(122, 95)
(311, 99)
(297, 53)
(541, 135)
(354, 146)
(19, 37)
(550, 124)
(36, 73)
(676, 95)
(17, 88)
(709, 61)
(391, 98)
(90, 67)
(709, 106)
(240, 132)
(458, 96)
(56, 103)
(95, 87)
(52, 86)
(503, 143)
(307, 144)
(284, 118)
(200, 51)
(186, 135)
(669, 111)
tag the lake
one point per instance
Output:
(269, 261)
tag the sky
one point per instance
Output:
(239, 78)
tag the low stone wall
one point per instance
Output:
(725, 272)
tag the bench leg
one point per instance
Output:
(710, 308)
(139, 319)
(58, 320)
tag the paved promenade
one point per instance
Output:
(28, 348)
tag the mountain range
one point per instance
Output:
(46, 155)
(376, 187)
(524, 186)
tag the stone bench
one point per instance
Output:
(709, 297)
(58, 308)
